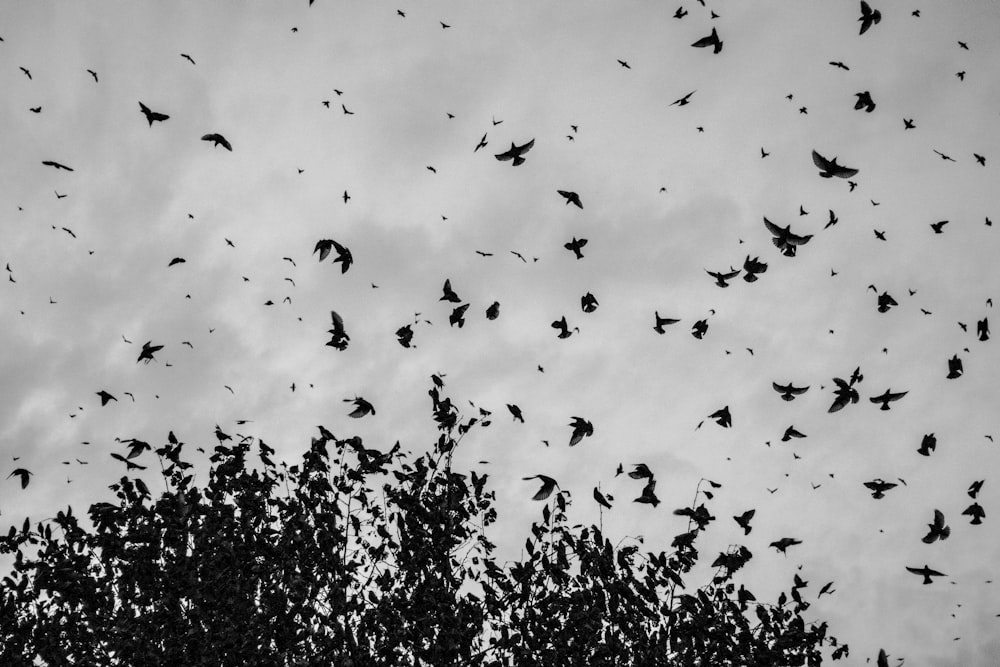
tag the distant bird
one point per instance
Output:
(346, 196)
(841, 65)
(712, 40)
(885, 302)
(516, 412)
(576, 245)
(105, 397)
(927, 444)
(493, 311)
(148, 350)
(830, 168)
(431, 169)
(189, 58)
(640, 471)
(218, 140)
(684, 100)
(93, 74)
(926, 573)
(563, 327)
(35, 109)
(763, 153)
(983, 329)
(868, 17)
(648, 496)
(938, 227)
(661, 322)
(879, 486)
(980, 159)
(955, 369)
(444, 26)
(515, 152)
(699, 329)
(879, 235)
(26, 72)
(588, 303)
(976, 511)
(680, 13)
(346, 111)
(344, 256)
(176, 260)
(938, 529)
(624, 64)
(753, 267)
(56, 165)
(832, 221)
(721, 278)
(457, 316)
(784, 239)
(722, 417)
(792, 432)
(448, 294)
(548, 486)
(963, 45)
(947, 158)
(23, 474)
(571, 198)
(743, 520)
(887, 397)
(151, 115)
(788, 391)
(975, 488)
(960, 75)
(482, 143)
(601, 499)
(864, 101)
(361, 407)
(908, 124)
(338, 334)
(581, 429)
(404, 335)
(783, 544)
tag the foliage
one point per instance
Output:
(362, 557)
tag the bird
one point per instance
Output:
(515, 152)
(792, 432)
(148, 350)
(963, 45)
(763, 153)
(602, 500)
(648, 496)
(444, 26)
(832, 221)
(344, 256)
(683, 100)
(457, 316)
(743, 520)
(983, 329)
(908, 124)
(516, 412)
(588, 303)
(404, 335)
(789, 392)
(783, 544)
(955, 369)
(218, 140)
(35, 109)
(188, 58)
(976, 511)
(721, 278)
(548, 486)
(482, 143)
(960, 75)
(661, 322)
(864, 101)
(938, 529)
(947, 158)
(338, 334)
(56, 165)
(980, 159)
(802, 210)
(26, 72)
(879, 235)
(346, 196)
(925, 572)
(176, 260)
(576, 245)
(624, 64)
(879, 486)
(345, 110)
(839, 64)
(571, 198)
(699, 329)
(105, 397)
(887, 397)
(722, 417)
(975, 488)
(24, 475)
(753, 267)
(448, 294)
(680, 13)
(830, 168)
(868, 17)
(93, 74)
(493, 311)
(938, 227)
(361, 407)
(711, 40)
(784, 239)
(640, 471)
(927, 444)
(431, 169)
(581, 429)
(885, 302)
(563, 327)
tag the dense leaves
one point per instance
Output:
(358, 556)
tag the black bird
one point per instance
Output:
(975, 488)
(56, 165)
(571, 198)
(482, 143)
(763, 153)
(218, 140)
(947, 158)
(788, 391)
(784, 239)
(148, 350)
(879, 235)
(493, 311)
(515, 153)
(887, 397)
(648, 496)
(879, 486)
(832, 221)
(457, 316)
(176, 260)
(404, 335)
(783, 544)
(976, 511)
(885, 302)
(925, 572)
(960, 75)
(23, 474)
(601, 499)
(868, 17)
(93, 74)
(980, 159)
(938, 529)
(712, 40)
(699, 329)
(722, 417)
(576, 245)
(516, 412)
(661, 322)
(346, 112)
(830, 168)
(152, 115)
(581, 429)
(624, 64)
(344, 256)
(680, 13)
(563, 327)
(938, 227)
(189, 58)
(26, 72)
(346, 196)
(744, 521)
(548, 486)
(448, 293)
(864, 102)
(837, 63)
(983, 329)
(35, 109)
(683, 100)
(955, 368)
(640, 471)
(908, 124)
(338, 335)
(792, 432)
(105, 397)
(721, 278)
(927, 444)
(361, 407)
(752, 267)
(588, 303)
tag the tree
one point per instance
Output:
(361, 557)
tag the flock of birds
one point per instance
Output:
(789, 243)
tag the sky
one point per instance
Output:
(668, 191)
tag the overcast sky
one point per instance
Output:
(668, 192)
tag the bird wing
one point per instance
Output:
(773, 228)
(820, 161)
(323, 247)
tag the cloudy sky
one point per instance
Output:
(668, 192)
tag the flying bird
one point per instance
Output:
(176, 260)
(361, 407)
(783, 544)
(188, 58)
(712, 40)
(648, 496)
(879, 486)
(944, 157)
(515, 152)
(148, 350)
(868, 17)
(404, 335)
(576, 245)
(338, 335)
(885, 302)
(661, 322)
(955, 369)
(722, 417)
(571, 198)
(515, 411)
(699, 329)
(788, 391)
(93, 74)
(24, 474)
(938, 227)
(493, 311)
(601, 499)
(926, 573)
(976, 511)
(784, 239)
(588, 303)
(448, 293)
(792, 432)
(830, 168)
(624, 64)
(482, 143)
(457, 316)
(839, 64)
(744, 521)
(344, 256)
(753, 267)
(581, 429)
(887, 397)
(980, 159)
(908, 124)
(927, 444)
(548, 486)
(683, 100)
(56, 165)
(864, 101)
(105, 397)
(217, 140)
(938, 529)
(721, 278)
(563, 327)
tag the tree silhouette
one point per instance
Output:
(361, 557)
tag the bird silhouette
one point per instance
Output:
(743, 520)
(344, 256)
(908, 124)
(955, 369)
(792, 432)
(983, 329)
(482, 143)
(602, 500)
(218, 140)
(151, 115)
(404, 335)
(105, 397)
(581, 429)
(885, 302)
(457, 316)
(338, 335)
(699, 329)
(23, 474)
(711, 40)
(938, 227)
(938, 529)
(879, 486)
(571, 198)
(788, 391)
(975, 488)
(753, 267)
(976, 511)
(980, 159)
(786, 241)
(515, 411)
(515, 152)
(830, 168)
(148, 350)
(682, 101)
(362, 407)
(721, 278)
(864, 101)
(887, 397)
(927, 444)
(576, 245)
(176, 260)
(868, 17)
(188, 58)
(563, 327)
(588, 303)
(548, 486)
(839, 64)
(925, 572)
(493, 311)
(448, 294)
(624, 64)
(946, 158)
(783, 544)
(56, 165)
(662, 322)
(648, 496)
(722, 417)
